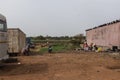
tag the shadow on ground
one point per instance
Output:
(19, 69)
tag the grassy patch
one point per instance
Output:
(57, 48)
(43, 50)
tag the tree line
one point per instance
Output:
(77, 39)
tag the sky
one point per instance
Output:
(58, 17)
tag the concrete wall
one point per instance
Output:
(107, 36)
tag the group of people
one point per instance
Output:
(91, 47)
(26, 50)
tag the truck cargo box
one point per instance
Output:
(16, 40)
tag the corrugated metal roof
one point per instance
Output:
(103, 25)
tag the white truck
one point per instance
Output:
(3, 38)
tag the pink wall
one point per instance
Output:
(106, 36)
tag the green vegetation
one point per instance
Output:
(59, 44)
(57, 48)
(50, 41)
(61, 47)
(43, 50)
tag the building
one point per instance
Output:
(106, 35)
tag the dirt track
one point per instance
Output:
(63, 66)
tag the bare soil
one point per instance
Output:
(63, 66)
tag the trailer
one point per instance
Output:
(106, 35)
(16, 41)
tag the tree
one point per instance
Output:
(78, 39)
(40, 38)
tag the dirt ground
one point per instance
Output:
(63, 66)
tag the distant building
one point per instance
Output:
(106, 35)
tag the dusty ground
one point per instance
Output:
(63, 66)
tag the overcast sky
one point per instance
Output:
(58, 17)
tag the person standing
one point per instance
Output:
(26, 50)
(85, 46)
(50, 49)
